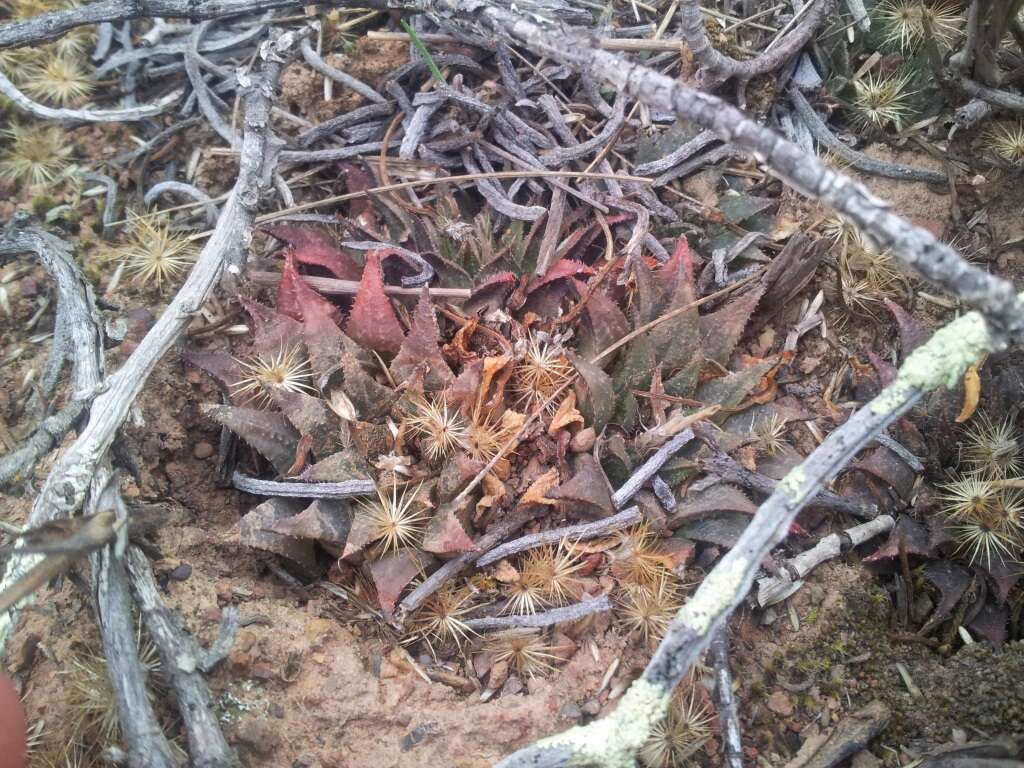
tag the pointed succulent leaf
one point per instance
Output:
(731, 390)
(296, 299)
(256, 529)
(271, 330)
(271, 434)
(633, 371)
(309, 416)
(684, 382)
(562, 268)
(677, 341)
(312, 244)
(373, 322)
(392, 573)
(445, 533)
(595, 392)
(223, 368)
(890, 469)
(586, 492)
(912, 333)
(422, 348)
(721, 330)
(951, 580)
(601, 325)
(325, 520)
(908, 536)
(712, 501)
(362, 389)
(649, 298)
(344, 465)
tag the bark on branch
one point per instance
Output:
(614, 741)
(65, 489)
(915, 248)
(717, 68)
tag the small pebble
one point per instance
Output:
(202, 450)
(591, 707)
(181, 573)
(570, 711)
(583, 440)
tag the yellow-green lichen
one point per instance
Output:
(940, 361)
(715, 593)
(613, 741)
(792, 482)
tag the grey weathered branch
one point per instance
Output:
(78, 336)
(994, 96)
(570, 533)
(858, 160)
(571, 612)
(728, 717)
(124, 115)
(717, 68)
(182, 661)
(614, 740)
(774, 589)
(352, 83)
(300, 490)
(16, 466)
(650, 468)
(49, 26)
(65, 489)
(915, 248)
(731, 471)
(498, 533)
(141, 733)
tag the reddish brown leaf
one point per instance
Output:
(223, 368)
(256, 529)
(298, 300)
(1004, 575)
(890, 469)
(909, 536)
(325, 520)
(990, 623)
(312, 244)
(372, 322)
(421, 349)
(721, 330)
(272, 331)
(602, 323)
(586, 492)
(912, 333)
(392, 573)
(445, 534)
(560, 269)
(951, 580)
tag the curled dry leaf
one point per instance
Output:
(566, 414)
(537, 492)
(972, 394)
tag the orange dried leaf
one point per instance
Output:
(535, 494)
(566, 414)
(972, 394)
(505, 573)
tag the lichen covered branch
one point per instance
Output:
(614, 740)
